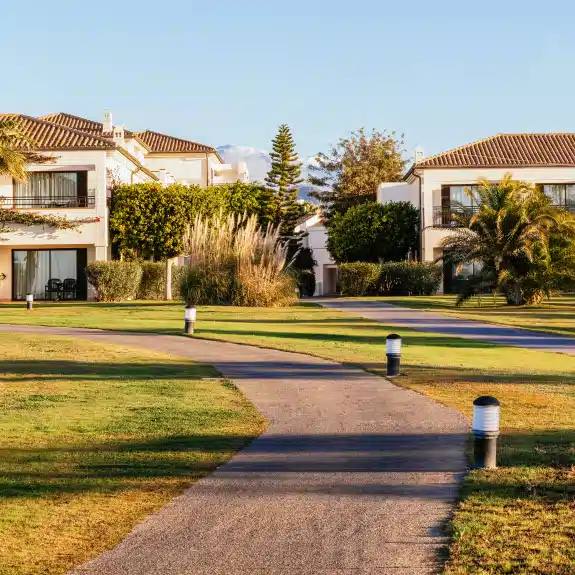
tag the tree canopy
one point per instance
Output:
(371, 232)
(350, 173)
(284, 178)
(148, 221)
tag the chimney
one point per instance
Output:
(119, 136)
(419, 154)
(108, 125)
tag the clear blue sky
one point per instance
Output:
(444, 72)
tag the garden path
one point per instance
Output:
(353, 475)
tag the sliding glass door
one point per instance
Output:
(33, 271)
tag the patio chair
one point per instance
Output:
(69, 288)
(53, 287)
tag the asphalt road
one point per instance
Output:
(353, 476)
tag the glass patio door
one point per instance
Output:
(32, 269)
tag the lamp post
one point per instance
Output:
(189, 319)
(486, 413)
(393, 352)
(29, 301)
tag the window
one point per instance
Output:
(560, 194)
(53, 190)
(456, 195)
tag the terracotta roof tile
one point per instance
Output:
(82, 124)
(508, 150)
(161, 143)
(49, 136)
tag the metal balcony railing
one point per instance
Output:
(52, 202)
(448, 217)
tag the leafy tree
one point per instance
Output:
(524, 244)
(371, 232)
(350, 173)
(284, 178)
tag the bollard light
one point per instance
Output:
(190, 319)
(29, 301)
(486, 414)
(393, 352)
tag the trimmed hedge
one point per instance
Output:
(153, 283)
(114, 280)
(390, 278)
(410, 278)
(122, 280)
(358, 278)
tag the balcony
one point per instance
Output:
(447, 217)
(52, 202)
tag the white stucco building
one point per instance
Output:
(326, 282)
(436, 183)
(86, 155)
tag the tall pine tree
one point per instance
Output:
(284, 178)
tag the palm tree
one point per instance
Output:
(509, 235)
(15, 150)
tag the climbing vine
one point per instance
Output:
(11, 216)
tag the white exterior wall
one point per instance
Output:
(93, 236)
(185, 168)
(398, 192)
(433, 179)
(125, 170)
(317, 240)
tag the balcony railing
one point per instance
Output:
(52, 202)
(450, 217)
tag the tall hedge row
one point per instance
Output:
(124, 280)
(390, 278)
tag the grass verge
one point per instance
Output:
(555, 316)
(95, 437)
(517, 519)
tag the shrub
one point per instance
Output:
(410, 278)
(114, 280)
(358, 278)
(372, 232)
(231, 260)
(153, 283)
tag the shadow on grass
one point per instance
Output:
(109, 466)
(56, 369)
(329, 458)
(428, 373)
(431, 340)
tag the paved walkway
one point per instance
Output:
(433, 322)
(353, 476)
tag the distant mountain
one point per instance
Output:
(259, 164)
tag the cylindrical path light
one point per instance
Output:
(190, 319)
(486, 412)
(29, 301)
(393, 352)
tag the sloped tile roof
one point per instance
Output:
(137, 163)
(508, 150)
(49, 136)
(82, 124)
(161, 143)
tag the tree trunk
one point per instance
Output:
(168, 289)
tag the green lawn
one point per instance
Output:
(94, 438)
(517, 519)
(553, 316)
